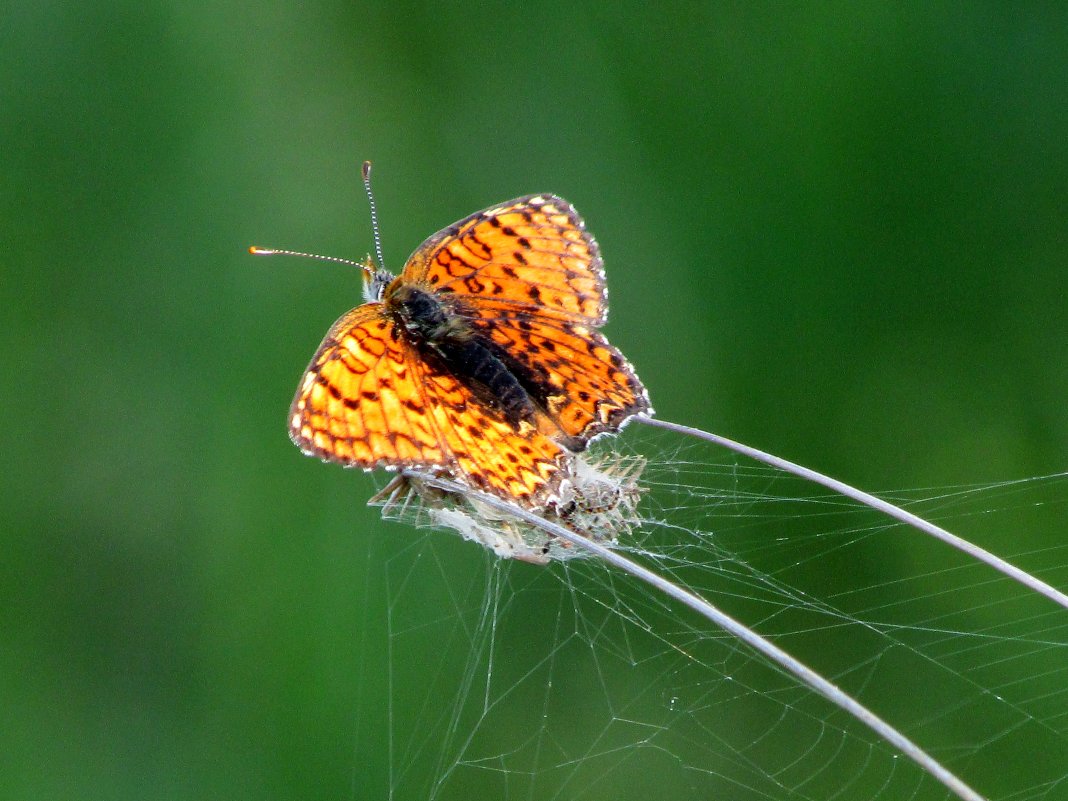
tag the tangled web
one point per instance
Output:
(508, 680)
(599, 498)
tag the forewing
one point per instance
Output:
(533, 254)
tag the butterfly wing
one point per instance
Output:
(589, 386)
(367, 400)
(530, 279)
(517, 463)
(359, 403)
(533, 253)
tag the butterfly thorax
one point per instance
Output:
(424, 315)
(436, 327)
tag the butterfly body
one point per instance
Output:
(481, 359)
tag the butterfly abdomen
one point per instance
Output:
(477, 366)
(441, 334)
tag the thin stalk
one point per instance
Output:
(746, 635)
(887, 508)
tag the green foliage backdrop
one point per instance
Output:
(835, 231)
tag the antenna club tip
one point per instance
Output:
(258, 251)
(366, 170)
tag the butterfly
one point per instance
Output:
(481, 361)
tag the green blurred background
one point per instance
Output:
(837, 232)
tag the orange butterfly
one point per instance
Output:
(481, 361)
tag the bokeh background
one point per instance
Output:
(836, 231)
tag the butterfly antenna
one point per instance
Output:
(363, 265)
(366, 172)
(255, 250)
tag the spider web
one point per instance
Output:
(572, 681)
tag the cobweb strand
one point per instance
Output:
(896, 512)
(788, 663)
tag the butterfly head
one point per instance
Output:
(375, 281)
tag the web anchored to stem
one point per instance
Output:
(494, 512)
